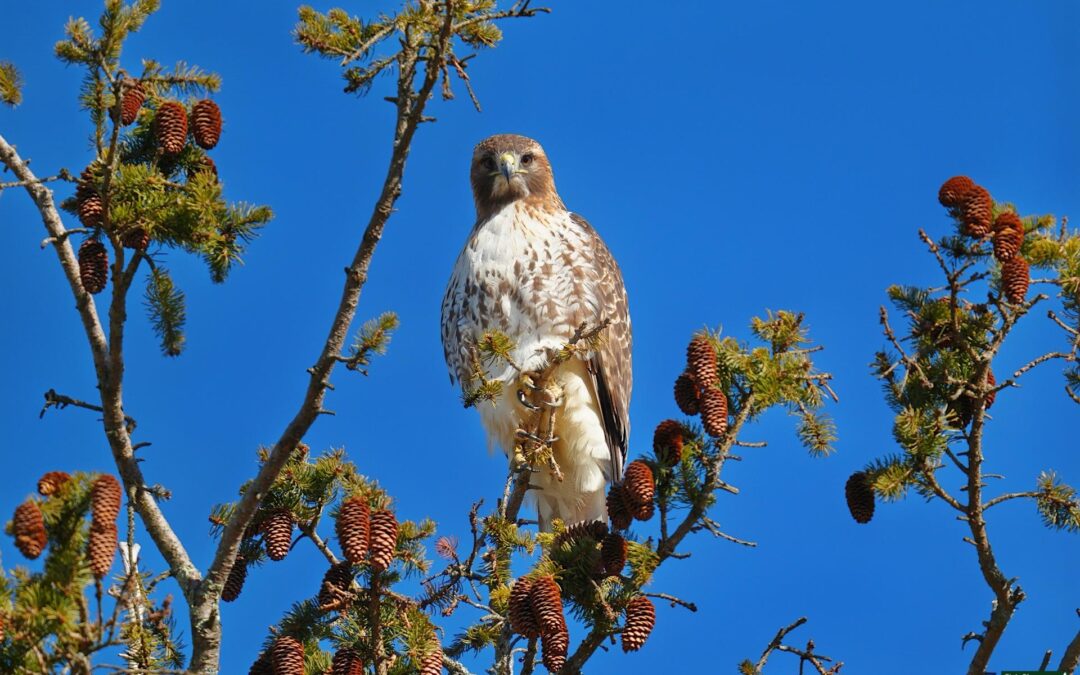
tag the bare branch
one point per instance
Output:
(60, 401)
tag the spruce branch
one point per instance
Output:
(166, 307)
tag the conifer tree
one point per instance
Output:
(939, 378)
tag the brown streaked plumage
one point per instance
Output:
(535, 271)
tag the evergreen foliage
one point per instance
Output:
(56, 618)
(10, 84)
(938, 380)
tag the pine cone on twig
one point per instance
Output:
(29, 529)
(620, 511)
(277, 534)
(131, 103)
(1015, 279)
(714, 412)
(384, 531)
(287, 655)
(101, 549)
(956, 191)
(548, 610)
(522, 619)
(588, 529)
(206, 123)
(347, 662)
(860, 497)
(686, 394)
(701, 361)
(335, 592)
(433, 662)
(668, 441)
(977, 213)
(1008, 235)
(639, 484)
(353, 528)
(136, 238)
(93, 266)
(613, 553)
(640, 619)
(234, 583)
(106, 496)
(171, 127)
(51, 482)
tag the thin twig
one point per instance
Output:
(60, 401)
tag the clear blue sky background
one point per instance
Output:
(735, 156)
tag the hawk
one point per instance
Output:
(536, 272)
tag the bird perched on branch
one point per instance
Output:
(537, 273)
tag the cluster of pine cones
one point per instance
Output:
(28, 524)
(697, 389)
(632, 497)
(105, 496)
(286, 657)
(171, 127)
(536, 611)
(973, 207)
(366, 533)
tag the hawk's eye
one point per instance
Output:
(527, 158)
(489, 163)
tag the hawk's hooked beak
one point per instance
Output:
(507, 165)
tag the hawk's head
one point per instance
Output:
(506, 168)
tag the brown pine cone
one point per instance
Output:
(701, 361)
(860, 497)
(955, 191)
(234, 583)
(29, 529)
(137, 238)
(639, 485)
(206, 123)
(384, 531)
(262, 666)
(91, 209)
(977, 213)
(640, 619)
(990, 382)
(203, 164)
(520, 612)
(613, 553)
(171, 127)
(3, 622)
(101, 549)
(347, 662)
(587, 529)
(619, 509)
(1015, 278)
(335, 591)
(668, 441)
(555, 645)
(354, 529)
(1008, 235)
(277, 534)
(433, 662)
(287, 655)
(686, 394)
(51, 482)
(132, 101)
(93, 266)
(714, 412)
(106, 496)
(546, 600)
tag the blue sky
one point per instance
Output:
(735, 157)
